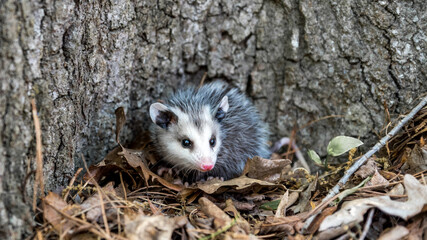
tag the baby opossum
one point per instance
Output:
(208, 132)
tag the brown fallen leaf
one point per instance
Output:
(367, 169)
(265, 169)
(387, 175)
(239, 184)
(108, 170)
(239, 205)
(319, 219)
(241, 222)
(418, 228)
(377, 179)
(332, 233)
(136, 161)
(221, 219)
(396, 233)
(353, 211)
(281, 209)
(53, 203)
(152, 227)
(304, 200)
(285, 225)
(293, 197)
(239, 236)
(416, 160)
(397, 190)
(92, 204)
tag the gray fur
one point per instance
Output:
(243, 133)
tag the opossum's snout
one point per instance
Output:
(206, 164)
(206, 167)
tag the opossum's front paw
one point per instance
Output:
(218, 178)
(162, 170)
(178, 181)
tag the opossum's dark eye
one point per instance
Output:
(212, 142)
(186, 143)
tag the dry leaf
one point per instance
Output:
(240, 183)
(332, 233)
(395, 233)
(53, 206)
(221, 219)
(377, 179)
(92, 204)
(305, 196)
(293, 197)
(152, 227)
(397, 190)
(281, 209)
(281, 224)
(135, 160)
(367, 169)
(241, 222)
(265, 169)
(354, 210)
(319, 219)
(417, 160)
(417, 228)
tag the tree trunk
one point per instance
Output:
(298, 60)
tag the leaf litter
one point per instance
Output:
(123, 197)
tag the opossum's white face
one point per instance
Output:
(189, 140)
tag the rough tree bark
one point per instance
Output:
(298, 60)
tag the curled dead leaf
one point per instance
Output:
(92, 204)
(152, 227)
(54, 211)
(396, 233)
(367, 169)
(353, 211)
(265, 169)
(241, 183)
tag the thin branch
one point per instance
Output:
(123, 185)
(39, 155)
(203, 79)
(100, 192)
(367, 224)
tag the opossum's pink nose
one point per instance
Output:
(206, 167)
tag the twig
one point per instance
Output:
(104, 215)
(123, 185)
(203, 79)
(367, 224)
(39, 156)
(320, 119)
(335, 190)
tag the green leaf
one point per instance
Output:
(342, 144)
(273, 205)
(314, 156)
(350, 191)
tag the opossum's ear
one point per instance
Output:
(223, 108)
(161, 115)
